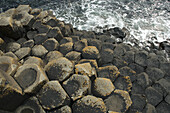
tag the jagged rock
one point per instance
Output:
(143, 79)
(23, 52)
(138, 69)
(12, 46)
(34, 60)
(52, 55)
(102, 87)
(51, 21)
(66, 48)
(77, 86)
(89, 104)
(154, 74)
(29, 43)
(123, 83)
(10, 92)
(163, 107)
(117, 32)
(64, 109)
(119, 63)
(110, 72)
(51, 44)
(32, 105)
(107, 45)
(31, 78)
(8, 64)
(137, 89)
(149, 109)
(31, 34)
(66, 40)
(119, 101)
(79, 45)
(84, 69)
(153, 96)
(40, 38)
(52, 95)
(127, 71)
(59, 69)
(139, 102)
(11, 54)
(39, 51)
(167, 99)
(55, 32)
(95, 42)
(90, 52)
(129, 56)
(141, 58)
(73, 56)
(106, 56)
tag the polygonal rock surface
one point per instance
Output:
(129, 56)
(91, 61)
(59, 69)
(106, 56)
(90, 52)
(10, 92)
(149, 109)
(40, 38)
(55, 33)
(167, 99)
(137, 89)
(119, 51)
(127, 71)
(138, 69)
(163, 107)
(39, 51)
(8, 64)
(30, 77)
(153, 96)
(119, 63)
(34, 60)
(141, 58)
(110, 72)
(23, 52)
(66, 48)
(11, 54)
(123, 83)
(52, 95)
(66, 40)
(73, 56)
(29, 43)
(84, 69)
(102, 87)
(53, 55)
(119, 101)
(165, 84)
(89, 104)
(64, 109)
(95, 42)
(12, 46)
(79, 45)
(31, 34)
(51, 44)
(76, 86)
(32, 105)
(143, 79)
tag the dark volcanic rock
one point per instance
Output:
(51, 44)
(23, 52)
(39, 51)
(73, 56)
(12, 46)
(79, 45)
(64, 109)
(90, 52)
(66, 48)
(149, 109)
(163, 107)
(52, 55)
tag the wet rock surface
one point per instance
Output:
(47, 66)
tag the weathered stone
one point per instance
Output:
(107, 45)
(89, 104)
(79, 45)
(119, 63)
(31, 34)
(102, 87)
(110, 72)
(75, 38)
(43, 28)
(64, 109)
(35, 11)
(119, 101)
(52, 21)
(139, 102)
(68, 29)
(127, 71)
(141, 58)
(55, 32)
(153, 61)
(73, 56)
(95, 42)
(39, 51)
(34, 60)
(23, 52)
(32, 105)
(52, 55)
(90, 52)
(119, 51)
(8, 64)
(154, 74)
(165, 67)
(21, 40)
(42, 15)
(66, 48)
(143, 79)
(40, 38)
(59, 69)
(2, 111)
(165, 84)
(103, 38)
(137, 89)
(11, 54)
(52, 95)
(149, 109)
(31, 78)
(66, 40)
(123, 83)
(88, 34)
(12, 46)
(10, 92)
(77, 86)
(1, 42)
(29, 43)
(163, 107)
(153, 96)
(25, 8)
(92, 62)
(106, 56)
(51, 44)
(1, 53)
(167, 99)
(138, 69)
(84, 69)
(129, 56)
